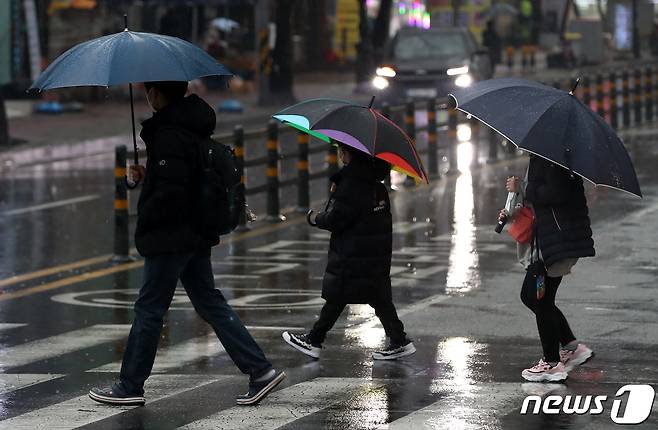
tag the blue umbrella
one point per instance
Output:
(552, 124)
(126, 58)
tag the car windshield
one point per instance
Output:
(430, 45)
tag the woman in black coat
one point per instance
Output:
(358, 215)
(561, 235)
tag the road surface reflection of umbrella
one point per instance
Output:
(126, 58)
(360, 127)
(552, 124)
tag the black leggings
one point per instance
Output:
(385, 311)
(551, 323)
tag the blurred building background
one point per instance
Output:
(282, 37)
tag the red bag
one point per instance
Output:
(521, 228)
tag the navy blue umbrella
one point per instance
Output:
(552, 124)
(126, 58)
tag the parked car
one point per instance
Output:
(422, 64)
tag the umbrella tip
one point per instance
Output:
(372, 100)
(125, 21)
(575, 86)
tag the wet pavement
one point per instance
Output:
(65, 312)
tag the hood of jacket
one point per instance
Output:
(190, 113)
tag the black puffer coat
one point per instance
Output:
(167, 211)
(562, 221)
(358, 215)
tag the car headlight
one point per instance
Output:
(457, 71)
(385, 71)
(463, 81)
(380, 83)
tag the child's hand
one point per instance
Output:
(333, 187)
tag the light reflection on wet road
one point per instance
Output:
(455, 284)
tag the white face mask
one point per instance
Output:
(148, 99)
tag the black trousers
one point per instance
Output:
(161, 275)
(385, 311)
(553, 327)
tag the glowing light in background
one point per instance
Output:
(463, 132)
(463, 271)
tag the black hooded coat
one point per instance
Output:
(358, 215)
(168, 208)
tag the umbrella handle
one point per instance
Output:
(308, 219)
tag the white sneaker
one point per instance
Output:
(391, 352)
(571, 359)
(543, 372)
(301, 343)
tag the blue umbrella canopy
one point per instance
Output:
(126, 58)
(552, 124)
(129, 57)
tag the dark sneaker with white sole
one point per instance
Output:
(259, 389)
(391, 352)
(116, 395)
(302, 344)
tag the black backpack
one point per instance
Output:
(222, 195)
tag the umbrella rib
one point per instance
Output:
(374, 144)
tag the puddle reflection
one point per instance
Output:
(463, 271)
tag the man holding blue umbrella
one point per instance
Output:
(167, 232)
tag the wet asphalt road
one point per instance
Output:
(456, 286)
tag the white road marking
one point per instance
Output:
(464, 408)
(82, 410)
(15, 381)
(177, 355)
(54, 346)
(50, 205)
(286, 406)
(9, 326)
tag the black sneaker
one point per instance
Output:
(301, 343)
(116, 395)
(259, 389)
(391, 352)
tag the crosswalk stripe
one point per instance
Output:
(61, 344)
(177, 355)
(285, 406)
(464, 408)
(82, 410)
(9, 326)
(15, 381)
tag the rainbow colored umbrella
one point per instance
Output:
(360, 127)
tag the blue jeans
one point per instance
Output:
(161, 275)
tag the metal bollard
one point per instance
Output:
(637, 96)
(238, 142)
(410, 128)
(587, 92)
(510, 52)
(432, 141)
(626, 100)
(612, 92)
(332, 163)
(452, 142)
(600, 107)
(475, 141)
(648, 93)
(493, 146)
(121, 219)
(273, 210)
(303, 192)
